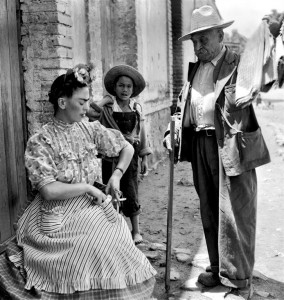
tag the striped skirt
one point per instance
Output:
(74, 247)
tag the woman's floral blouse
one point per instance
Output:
(68, 152)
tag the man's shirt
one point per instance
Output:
(202, 95)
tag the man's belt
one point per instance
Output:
(207, 132)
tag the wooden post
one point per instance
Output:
(170, 206)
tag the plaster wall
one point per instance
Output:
(152, 33)
(94, 38)
(153, 25)
(79, 31)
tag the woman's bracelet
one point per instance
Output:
(121, 170)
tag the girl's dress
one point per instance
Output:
(74, 249)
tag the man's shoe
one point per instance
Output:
(239, 294)
(209, 279)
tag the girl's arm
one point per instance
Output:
(95, 109)
(144, 165)
(144, 149)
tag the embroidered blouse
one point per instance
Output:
(68, 152)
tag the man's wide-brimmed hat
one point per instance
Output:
(124, 70)
(205, 18)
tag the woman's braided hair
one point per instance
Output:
(64, 85)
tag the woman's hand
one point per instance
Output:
(98, 195)
(113, 185)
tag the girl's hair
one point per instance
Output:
(65, 85)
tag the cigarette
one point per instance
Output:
(121, 199)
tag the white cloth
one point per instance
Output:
(256, 67)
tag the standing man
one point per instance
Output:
(223, 142)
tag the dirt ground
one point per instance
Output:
(187, 231)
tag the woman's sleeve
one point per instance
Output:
(39, 161)
(109, 141)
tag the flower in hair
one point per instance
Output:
(81, 73)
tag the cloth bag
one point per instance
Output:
(251, 150)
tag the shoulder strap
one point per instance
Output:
(226, 120)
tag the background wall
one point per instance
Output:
(79, 31)
(153, 22)
(57, 34)
(47, 51)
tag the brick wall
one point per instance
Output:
(177, 77)
(170, 22)
(47, 52)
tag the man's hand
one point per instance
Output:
(280, 71)
(167, 142)
(274, 24)
(247, 100)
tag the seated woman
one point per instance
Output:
(75, 245)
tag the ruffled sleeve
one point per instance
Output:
(109, 141)
(39, 161)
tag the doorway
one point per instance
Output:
(13, 185)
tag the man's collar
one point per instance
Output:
(215, 60)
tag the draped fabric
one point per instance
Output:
(257, 64)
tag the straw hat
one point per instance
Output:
(205, 18)
(124, 70)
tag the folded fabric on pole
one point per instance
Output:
(257, 64)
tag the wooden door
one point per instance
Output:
(13, 189)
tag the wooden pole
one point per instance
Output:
(170, 206)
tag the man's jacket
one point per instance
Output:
(240, 141)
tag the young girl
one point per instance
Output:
(122, 112)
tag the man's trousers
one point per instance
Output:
(228, 212)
